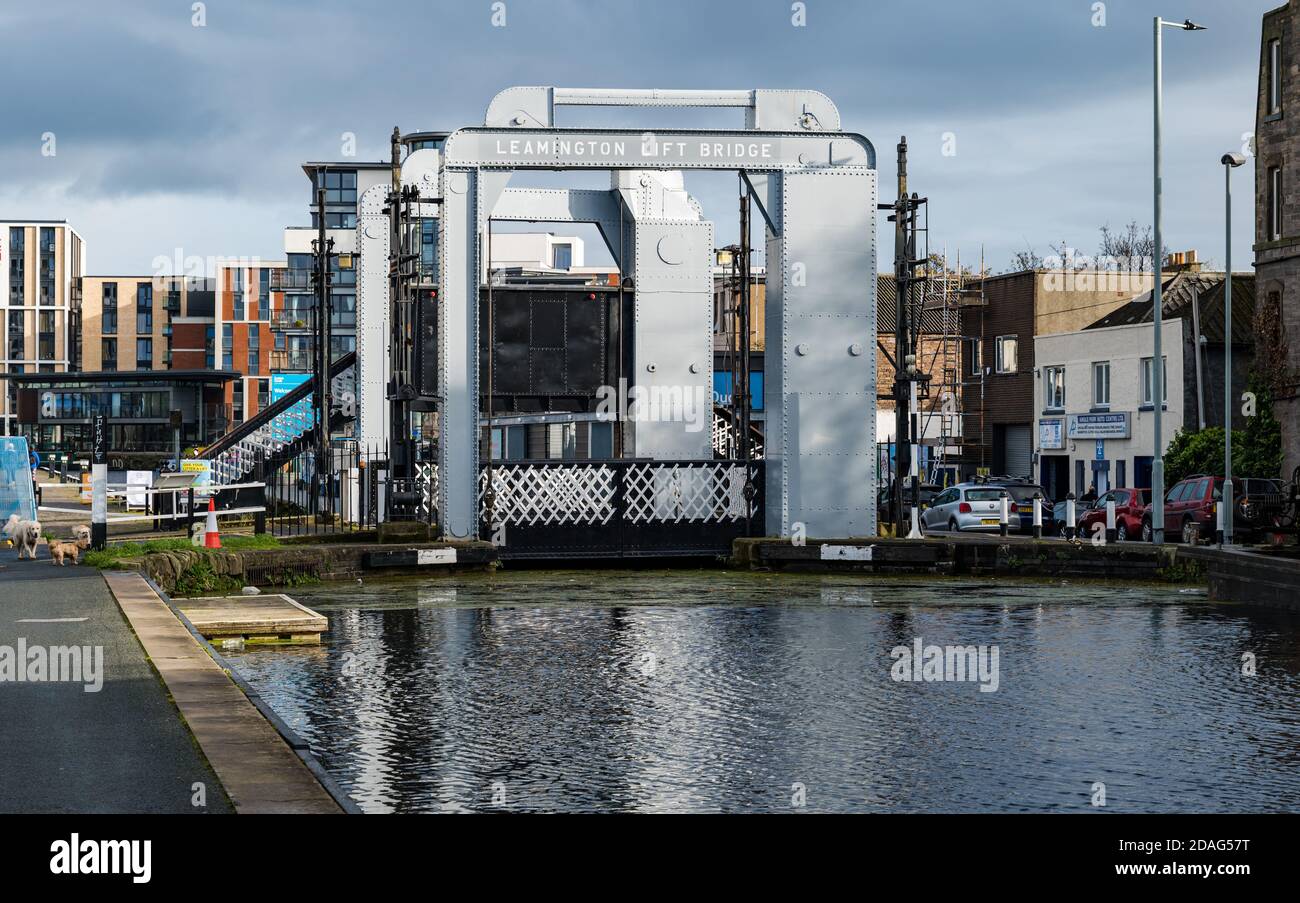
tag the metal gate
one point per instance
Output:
(620, 509)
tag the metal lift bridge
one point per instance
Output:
(815, 188)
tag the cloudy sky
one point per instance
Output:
(169, 135)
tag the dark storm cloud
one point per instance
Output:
(1051, 115)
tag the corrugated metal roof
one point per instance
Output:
(1178, 293)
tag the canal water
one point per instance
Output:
(720, 691)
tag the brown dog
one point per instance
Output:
(60, 550)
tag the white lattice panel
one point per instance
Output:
(530, 495)
(675, 493)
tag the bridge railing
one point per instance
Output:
(620, 508)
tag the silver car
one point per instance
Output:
(973, 507)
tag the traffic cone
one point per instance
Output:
(211, 537)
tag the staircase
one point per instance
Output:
(278, 433)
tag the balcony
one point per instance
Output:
(285, 320)
(291, 360)
(286, 279)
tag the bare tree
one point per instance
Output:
(1027, 259)
(1132, 248)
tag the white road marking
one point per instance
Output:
(51, 620)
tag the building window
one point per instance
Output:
(17, 335)
(45, 336)
(1147, 376)
(108, 322)
(108, 355)
(1006, 354)
(237, 293)
(343, 311)
(237, 408)
(428, 247)
(1275, 76)
(174, 298)
(17, 262)
(263, 394)
(340, 186)
(975, 364)
(144, 308)
(210, 344)
(1101, 384)
(1275, 203)
(1054, 388)
(563, 256)
(144, 354)
(45, 269)
(227, 352)
(254, 342)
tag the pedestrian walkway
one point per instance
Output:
(123, 748)
(257, 768)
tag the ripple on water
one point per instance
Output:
(704, 691)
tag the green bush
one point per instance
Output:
(1256, 450)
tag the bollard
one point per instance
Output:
(915, 532)
(1218, 522)
(1002, 513)
(1069, 516)
(1038, 516)
(1110, 521)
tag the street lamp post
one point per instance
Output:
(1230, 162)
(1157, 360)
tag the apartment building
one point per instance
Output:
(1277, 220)
(998, 353)
(143, 348)
(251, 333)
(41, 264)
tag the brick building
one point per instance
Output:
(998, 367)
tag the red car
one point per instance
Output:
(1129, 504)
(1189, 509)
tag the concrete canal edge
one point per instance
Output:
(1244, 575)
(262, 764)
(207, 571)
(973, 555)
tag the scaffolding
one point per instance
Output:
(939, 309)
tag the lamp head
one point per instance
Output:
(1189, 25)
(1233, 160)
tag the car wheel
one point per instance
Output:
(1191, 532)
(952, 526)
(1121, 532)
(1147, 533)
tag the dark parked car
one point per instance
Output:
(885, 501)
(1189, 508)
(1129, 505)
(1022, 495)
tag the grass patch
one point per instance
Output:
(200, 580)
(120, 554)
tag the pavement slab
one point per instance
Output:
(123, 749)
(258, 769)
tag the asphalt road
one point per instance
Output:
(121, 749)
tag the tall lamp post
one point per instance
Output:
(1230, 162)
(1157, 360)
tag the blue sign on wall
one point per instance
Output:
(284, 383)
(722, 388)
(286, 428)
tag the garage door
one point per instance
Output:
(1018, 450)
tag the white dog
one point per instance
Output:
(24, 533)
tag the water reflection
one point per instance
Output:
(705, 691)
